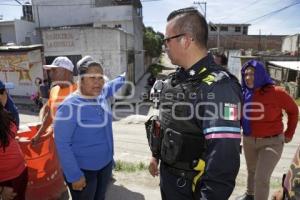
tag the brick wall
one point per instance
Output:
(257, 42)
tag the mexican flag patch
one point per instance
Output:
(230, 112)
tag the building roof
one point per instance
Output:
(221, 24)
(294, 65)
(5, 23)
(136, 3)
(20, 48)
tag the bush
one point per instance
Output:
(155, 69)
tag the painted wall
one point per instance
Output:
(21, 68)
(8, 33)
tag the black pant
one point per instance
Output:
(174, 187)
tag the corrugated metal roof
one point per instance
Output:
(294, 65)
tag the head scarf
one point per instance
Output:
(261, 79)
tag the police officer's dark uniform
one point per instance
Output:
(208, 130)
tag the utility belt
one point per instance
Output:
(181, 170)
(192, 175)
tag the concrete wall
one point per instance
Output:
(26, 29)
(291, 43)
(87, 13)
(105, 45)
(138, 46)
(8, 33)
(125, 25)
(84, 13)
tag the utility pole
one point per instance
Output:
(259, 41)
(218, 38)
(199, 3)
(18, 2)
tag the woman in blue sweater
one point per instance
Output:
(83, 132)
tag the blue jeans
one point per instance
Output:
(96, 184)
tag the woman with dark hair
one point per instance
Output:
(263, 131)
(13, 170)
(8, 103)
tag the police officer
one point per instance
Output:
(199, 117)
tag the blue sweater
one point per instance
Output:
(83, 131)
(11, 107)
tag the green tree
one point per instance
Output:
(152, 42)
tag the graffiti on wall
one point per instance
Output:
(20, 62)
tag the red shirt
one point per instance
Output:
(274, 100)
(12, 161)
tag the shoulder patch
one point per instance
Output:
(209, 79)
(215, 77)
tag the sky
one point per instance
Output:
(155, 12)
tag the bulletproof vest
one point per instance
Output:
(178, 123)
(177, 107)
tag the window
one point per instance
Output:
(213, 28)
(224, 28)
(245, 30)
(237, 29)
(139, 12)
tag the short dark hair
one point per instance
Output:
(190, 20)
(223, 58)
(2, 91)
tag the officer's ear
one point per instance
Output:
(185, 41)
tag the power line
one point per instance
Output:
(255, 19)
(79, 4)
(241, 9)
(273, 12)
(18, 2)
(199, 3)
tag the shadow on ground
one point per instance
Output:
(119, 192)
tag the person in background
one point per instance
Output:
(221, 59)
(44, 90)
(61, 74)
(83, 132)
(263, 131)
(8, 103)
(36, 97)
(13, 170)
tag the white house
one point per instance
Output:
(19, 32)
(228, 29)
(107, 45)
(120, 22)
(291, 44)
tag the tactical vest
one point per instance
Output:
(183, 139)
